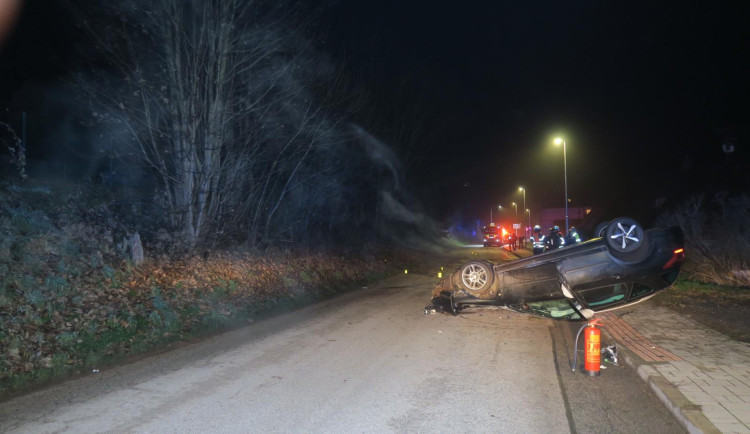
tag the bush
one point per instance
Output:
(717, 238)
(70, 300)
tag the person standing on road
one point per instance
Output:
(538, 240)
(555, 239)
(572, 237)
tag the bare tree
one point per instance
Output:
(243, 122)
(213, 95)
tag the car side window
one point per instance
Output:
(640, 290)
(557, 309)
(606, 295)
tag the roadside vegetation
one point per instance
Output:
(72, 300)
(717, 238)
(714, 286)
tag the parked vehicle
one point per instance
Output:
(624, 265)
(493, 236)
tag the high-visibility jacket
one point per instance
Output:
(572, 238)
(555, 240)
(538, 241)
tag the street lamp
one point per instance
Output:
(529, 227)
(524, 204)
(558, 141)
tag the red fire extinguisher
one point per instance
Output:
(592, 343)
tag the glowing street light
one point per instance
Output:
(559, 141)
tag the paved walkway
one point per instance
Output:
(701, 375)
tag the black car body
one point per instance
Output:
(623, 266)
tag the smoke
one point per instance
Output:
(398, 211)
(401, 212)
(380, 153)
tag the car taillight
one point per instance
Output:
(677, 257)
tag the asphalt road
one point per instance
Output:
(368, 361)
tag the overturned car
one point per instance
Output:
(623, 265)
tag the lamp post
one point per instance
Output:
(524, 206)
(529, 227)
(515, 206)
(558, 141)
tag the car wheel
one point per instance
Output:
(627, 240)
(477, 278)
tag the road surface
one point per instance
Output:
(368, 361)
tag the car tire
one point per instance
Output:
(477, 277)
(627, 240)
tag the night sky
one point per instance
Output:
(639, 90)
(644, 93)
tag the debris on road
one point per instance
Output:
(609, 354)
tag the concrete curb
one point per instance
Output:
(689, 415)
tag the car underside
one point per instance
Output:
(622, 266)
